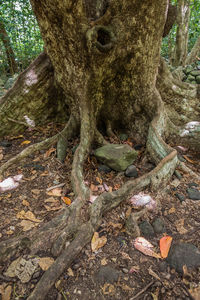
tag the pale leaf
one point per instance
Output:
(57, 192)
(142, 245)
(45, 262)
(98, 242)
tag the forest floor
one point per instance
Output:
(117, 270)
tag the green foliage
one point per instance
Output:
(194, 29)
(23, 32)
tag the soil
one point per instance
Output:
(130, 274)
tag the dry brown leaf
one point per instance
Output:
(57, 192)
(94, 188)
(144, 246)
(195, 292)
(45, 262)
(51, 200)
(9, 232)
(180, 226)
(6, 295)
(48, 153)
(104, 261)
(172, 210)
(125, 287)
(115, 225)
(70, 272)
(27, 216)
(52, 208)
(98, 242)
(35, 191)
(108, 289)
(125, 255)
(99, 180)
(1, 156)
(27, 225)
(25, 203)
(189, 160)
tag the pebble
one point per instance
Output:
(138, 147)
(158, 225)
(193, 194)
(107, 274)
(125, 270)
(104, 168)
(146, 229)
(183, 254)
(181, 197)
(131, 171)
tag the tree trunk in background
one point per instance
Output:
(195, 52)
(9, 51)
(181, 47)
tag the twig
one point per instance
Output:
(186, 290)
(143, 290)
(55, 186)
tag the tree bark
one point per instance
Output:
(181, 47)
(194, 54)
(9, 51)
(34, 94)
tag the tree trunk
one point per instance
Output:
(9, 51)
(33, 94)
(194, 54)
(181, 47)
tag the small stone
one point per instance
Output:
(146, 229)
(39, 168)
(195, 73)
(183, 254)
(181, 197)
(107, 274)
(104, 168)
(188, 69)
(138, 147)
(131, 171)
(158, 225)
(5, 144)
(125, 270)
(198, 79)
(162, 266)
(193, 194)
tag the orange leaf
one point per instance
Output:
(48, 153)
(165, 244)
(66, 200)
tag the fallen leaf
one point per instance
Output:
(35, 191)
(195, 292)
(45, 262)
(165, 244)
(10, 183)
(172, 210)
(142, 245)
(108, 289)
(52, 208)
(180, 226)
(125, 287)
(27, 216)
(142, 199)
(70, 272)
(98, 242)
(134, 269)
(27, 225)
(57, 192)
(94, 188)
(104, 262)
(17, 137)
(125, 255)
(1, 156)
(9, 232)
(25, 203)
(25, 142)
(66, 200)
(51, 200)
(7, 293)
(99, 180)
(49, 152)
(93, 198)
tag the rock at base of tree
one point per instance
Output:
(183, 254)
(131, 171)
(193, 194)
(107, 274)
(123, 137)
(117, 157)
(159, 226)
(146, 229)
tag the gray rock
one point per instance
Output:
(146, 229)
(193, 194)
(198, 79)
(195, 73)
(191, 78)
(107, 274)
(181, 197)
(183, 254)
(117, 157)
(188, 69)
(104, 168)
(132, 227)
(131, 171)
(159, 225)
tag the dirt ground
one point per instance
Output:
(130, 274)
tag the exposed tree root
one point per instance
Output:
(68, 131)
